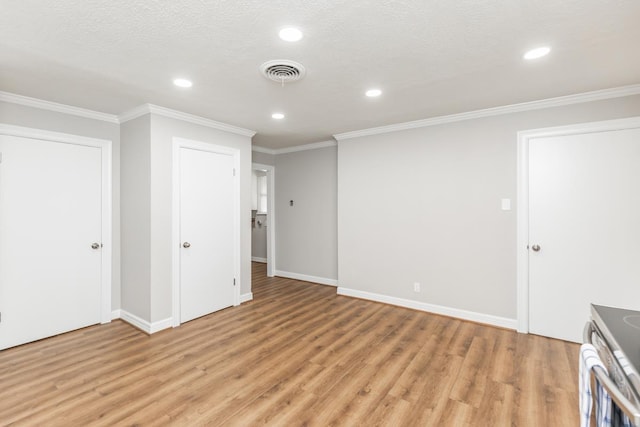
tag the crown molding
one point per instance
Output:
(124, 117)
(56, 107)
(305, 147)
(496, 111)
(134, 113)
(264, 150)
(185, 117)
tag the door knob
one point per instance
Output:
(535, 248)
(95, 245)
(186, 245)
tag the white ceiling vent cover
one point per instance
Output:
(282, 70)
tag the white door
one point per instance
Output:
(584, 228)
(50, 215)
(206, 232)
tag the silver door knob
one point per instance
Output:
(186, 245)
(535, 248)
(95, 245)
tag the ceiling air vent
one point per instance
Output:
(282, 71)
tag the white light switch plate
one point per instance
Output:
(506, 204)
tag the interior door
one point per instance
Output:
(50, 215)
(206, 232)
(584, 228)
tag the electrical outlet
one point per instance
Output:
(416, 287)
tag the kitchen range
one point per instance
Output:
(615, 334)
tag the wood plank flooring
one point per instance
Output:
(297, 355)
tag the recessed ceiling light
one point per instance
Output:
(290, 34)
(372, 93)
(277, 116)
(182, 83)
(538, 52)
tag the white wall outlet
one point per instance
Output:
(416, 287)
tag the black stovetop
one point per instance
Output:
(623, 327)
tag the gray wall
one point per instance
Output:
(263, 158)
(423, 205)
(259, 238)
(136, 216)
(306, 233)
(19, 115)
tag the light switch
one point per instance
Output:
(506, 204)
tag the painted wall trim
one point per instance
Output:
(57, 107)
(522, 231)
(48, 135)
(496, 111)
(246, 297)
(264, 150)
(306, 278)
(488, 319)
(124, 117)
(134, 113)
(259, 259)
(143, 325)
(185, 117)
(116, 314)
(305, 147)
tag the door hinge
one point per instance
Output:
(0, 157)
(234, 171)
(234, 282)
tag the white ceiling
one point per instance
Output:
(430, 57)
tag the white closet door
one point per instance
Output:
(50, 215)
(584, 228)
(206, 232)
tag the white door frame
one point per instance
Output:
(179, 143)
(524, 137)
(106, 157)
(271, 215)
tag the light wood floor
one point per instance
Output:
(296, 355)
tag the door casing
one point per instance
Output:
(179, 143)
(106, 186)
(522, 252)
(271, 216)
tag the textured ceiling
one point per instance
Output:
(429, 57)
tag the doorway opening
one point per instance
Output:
(263, 216)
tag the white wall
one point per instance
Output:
(20, 115)
(306, 233)
(423, 205)
(136, 216)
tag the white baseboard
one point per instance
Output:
(488, 319)
(246, 297)
(115, 314)
(161, 325)
(145, 326)
(258, 259)
(306, 278)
